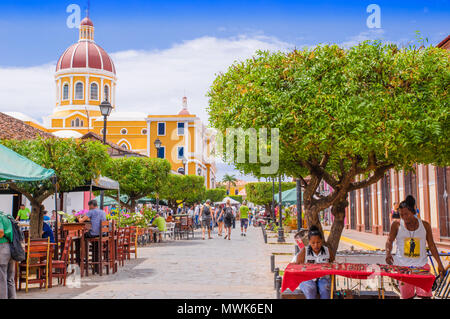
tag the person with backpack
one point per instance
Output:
(7, 263)
(206, 218)
(228, 219)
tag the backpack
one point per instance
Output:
(17, 252)
(229, 213)
(206, 211)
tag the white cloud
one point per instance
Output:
(371, 34)
(152, 82)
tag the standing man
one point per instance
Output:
(23, 214)
(205, 216)
(7, 264)
(243, 216)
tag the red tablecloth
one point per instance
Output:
(295, 274)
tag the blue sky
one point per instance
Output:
(34, 32)
(165, 49)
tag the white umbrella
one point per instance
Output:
(232, 201)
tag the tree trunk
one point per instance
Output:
(338, 211)
(36, 220)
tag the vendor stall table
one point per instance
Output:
(295, 274)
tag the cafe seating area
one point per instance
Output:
(103, 255)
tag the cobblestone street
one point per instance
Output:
(186, 269)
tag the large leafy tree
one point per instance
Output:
(139, 177)
(186, 189)
(260, 193)
(215, 194)
(75, 162)
(344, 116)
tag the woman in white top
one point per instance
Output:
(412, 235)
(315, 253)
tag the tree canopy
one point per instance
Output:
(186, 189)
(340, 113)
(215, 194)
(139, 176)
(75, 162)
(260, 193)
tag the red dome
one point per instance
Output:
(87, 21)
(85, 54)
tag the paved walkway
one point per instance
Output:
(185, 269)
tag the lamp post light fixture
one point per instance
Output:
(105, 110)
(184, 161)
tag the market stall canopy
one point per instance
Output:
(16, 167)
(109, 201)
(103, 183)
(288, 197)
(232, 201)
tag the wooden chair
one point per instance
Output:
(120, 246)
(126, 242)
(60, 266)
(39, 256)
(133, 241)
(191, 226)
(184, 229)
(100, 250)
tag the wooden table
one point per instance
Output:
(295, 274)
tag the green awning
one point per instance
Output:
(15, 167)
(288, 197)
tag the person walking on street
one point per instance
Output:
(7, 264)
(234, 216)
(220, 213)
(206, 218)
(243, 217)
(228, 219)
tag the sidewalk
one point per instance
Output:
(361, 240)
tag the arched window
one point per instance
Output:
(124, 146)
(106, 91)
(79, 91)
(77, 122)
(66, 91)
(94, 91)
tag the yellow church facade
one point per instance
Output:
(85, 76)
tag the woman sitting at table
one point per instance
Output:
(315, 253)
(412, 234)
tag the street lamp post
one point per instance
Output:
(105, 110)
(157, 146)
(273, 199)
(280, 228)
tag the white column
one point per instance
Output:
(71, 90)
(102, 93)
(86, 90)
(148, 138)
(186, 145)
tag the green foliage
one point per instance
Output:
(215, 194)
(260, 193)
(186, 189)
(236, 197)
(370, 99)
(75, 162)
(139, 176)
